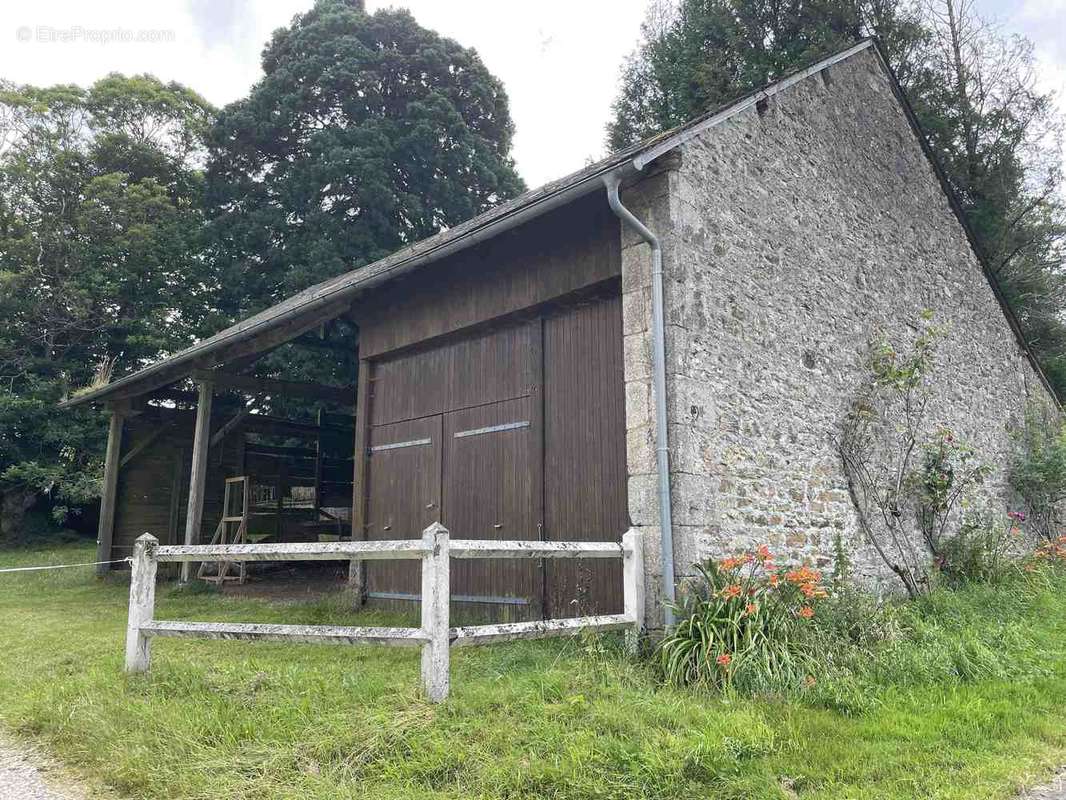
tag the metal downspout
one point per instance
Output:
(658, 357)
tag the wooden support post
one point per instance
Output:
(198, 472)
(142, 603)
(357, 581)
(436, 590)
(107, 500)
(633, 586)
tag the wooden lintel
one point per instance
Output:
(249, 384)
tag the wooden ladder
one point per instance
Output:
(223, 534)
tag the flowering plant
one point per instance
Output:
(1053, 552)
(740, 616)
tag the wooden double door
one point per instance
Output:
(513, 433)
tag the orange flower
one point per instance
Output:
(751, 609)
(729, 563)
(724, 660)
(763, 553)
(806, 612)
(774, 579)
(803, 575)
(731, 591)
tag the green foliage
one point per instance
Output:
(366, 132)
(99, 240)
(972, 87)
(915, 491)
(1039, 472)
(948, 474)
(981, 548)
(740, 624)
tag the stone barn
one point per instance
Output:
(686, 320)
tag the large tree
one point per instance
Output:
(100, 226)
(365, 133)
(972, 87)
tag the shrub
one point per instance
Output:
(740, 623)
(1039, 473)
(980, 550)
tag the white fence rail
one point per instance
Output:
(435, 636)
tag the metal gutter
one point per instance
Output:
(658, 358)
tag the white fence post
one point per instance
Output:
(633, 586)
(436, 590)
(142, 603)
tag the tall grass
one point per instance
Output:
(958, 699)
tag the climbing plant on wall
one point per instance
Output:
(908, 480)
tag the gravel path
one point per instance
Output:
(26, 775)
(1056, 790)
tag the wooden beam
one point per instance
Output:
(198, 473)
(225, 430)
(357, 570)
(536, 629)
(305, 634)
(106, 527)
(261, 423)
(379, 550)
(342, 395)
(145, 443)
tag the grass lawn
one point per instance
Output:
(557, 719)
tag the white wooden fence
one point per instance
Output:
(435, 636)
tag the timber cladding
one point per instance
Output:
(565, 251)
(153, 482)
(497, 409)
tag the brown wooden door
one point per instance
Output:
(492, 491)
(403, 475)
(585, 453)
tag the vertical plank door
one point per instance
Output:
(403, 478)
(491, 491)
(584, 453)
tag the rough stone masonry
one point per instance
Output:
(793, 235)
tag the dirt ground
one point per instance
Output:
(26, 774)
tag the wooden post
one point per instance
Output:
(198, 472)
(633, 586)
(107, 499)
(357, 582)
(436, 590)
(142, 603)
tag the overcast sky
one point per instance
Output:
(559, 59)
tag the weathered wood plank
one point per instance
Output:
(142, 604)
(344, 395)
(307, 634)
(106, 527)
(537, 629)
(198, 472)
(436, 588)
(229, 425)
(145, 443)
(294, 551)
(488, 548)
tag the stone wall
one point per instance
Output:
(794, 234)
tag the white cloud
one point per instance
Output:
(559, 59)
